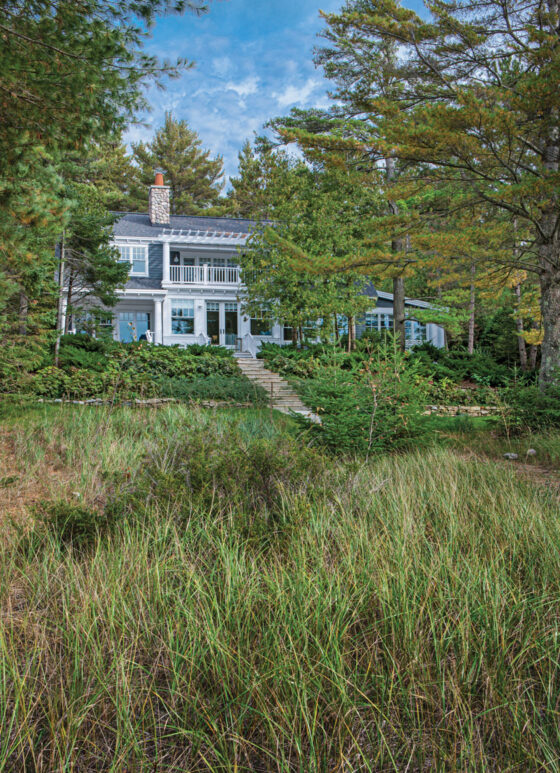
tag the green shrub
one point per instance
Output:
(236, 389)
(530, 409)
(225, 469)
(78, 357)
(379, 410)
(49, 382)
(18, 358)
(69, 524)
(458, 365)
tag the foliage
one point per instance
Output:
(90, 367)
(473, 126)
(215, 387)
(320, 215)
(72, 76)
(88, 260)
(195, 179)
(531, 409)
(458, 365)
(375, 407)
(68, 524)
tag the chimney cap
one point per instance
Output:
(159, 178)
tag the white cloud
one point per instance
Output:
(244, 88)
(294, 95)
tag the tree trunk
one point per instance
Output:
(351, 333)
(398, 282)
(23, 313)
(60, 309)
(69, 302)
(549, 256)
(519, 328)
(471, 310)
(550, 310)
(399, 314)
(533, 351)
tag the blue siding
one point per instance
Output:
(155, 267)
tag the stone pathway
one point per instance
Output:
(283, 398)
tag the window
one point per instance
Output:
(182, 318)
(137, 257)
(288, 333)
(415, 332)
(177, 259)
(261, 326)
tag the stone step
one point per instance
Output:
(283, 397)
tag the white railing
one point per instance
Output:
(204, 275)
(249, 344)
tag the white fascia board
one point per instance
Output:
(127, 293)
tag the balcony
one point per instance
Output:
(204, 275)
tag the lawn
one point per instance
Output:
(200, 590)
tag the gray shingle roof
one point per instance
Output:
(138, 224)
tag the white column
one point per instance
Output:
(158, 323)
(244, 326)
(199, 317)
(205, 274)
(166, 261)
(166, 312)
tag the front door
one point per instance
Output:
(221, 323)
(213, 322)
(230, 324)
(133, 326)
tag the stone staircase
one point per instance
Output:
(282, 396)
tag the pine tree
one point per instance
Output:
(478, 108)
(91, 270)
(319, 218)
(71, 75)
(194, 177)
(252, 192)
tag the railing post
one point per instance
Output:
(205, 274)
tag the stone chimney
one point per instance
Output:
(158, 207)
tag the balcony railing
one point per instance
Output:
(204, 275)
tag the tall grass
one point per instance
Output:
(399, 615)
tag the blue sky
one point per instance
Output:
(253, 61)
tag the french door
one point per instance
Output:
(133, 326)
(222, 323)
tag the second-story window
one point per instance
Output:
(136, 256)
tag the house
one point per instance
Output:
(184, 283)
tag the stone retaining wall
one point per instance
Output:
(461, 410)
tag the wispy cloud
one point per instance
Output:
(297, 95)
(254, 61)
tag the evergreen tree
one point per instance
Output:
(110, 168)
(319, 219)
(251, 194)
(71, 74)
(478, 107)
(194, 177)
(89, 263)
